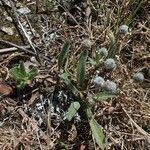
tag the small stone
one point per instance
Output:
(123, 29)
(9, 18)
(138, 77)
(8, 30)
(24, 10)
(5, 89)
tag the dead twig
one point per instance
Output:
(18, 47)
(147, 135)
(12, 49)
(23, 29)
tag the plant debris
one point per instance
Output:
(58, 52)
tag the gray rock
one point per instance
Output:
(123, 29)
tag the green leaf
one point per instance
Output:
(103, 96)
(21, 84)
(63, 54)
(98, 60)
(22, 69)
(32, 73)
(17, 74)
(67, 81)
(97, 131)
(21, 75)
(72, 110)
(112, 49)
(81, 68)
(97, 57)
(92, 62)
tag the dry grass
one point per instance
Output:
(125, 119)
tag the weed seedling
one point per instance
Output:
(22, 75)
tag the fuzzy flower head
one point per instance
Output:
(138, 77)
(98, 81)
(110, 63)
(110, 86)
(123, 29)
(87, 43)
(103, 52)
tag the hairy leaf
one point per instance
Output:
(22, 69)
(92, 62)
(32, 73)
(63, 54)
(81, 69)
(103, 96)
(97, 131)
(64, 77)
(112, 50)
(22, 75)
(17, 73)
(72, 110)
